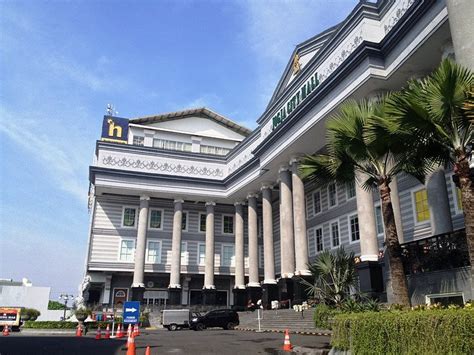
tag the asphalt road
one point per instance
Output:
(210, 341)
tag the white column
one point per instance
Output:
(253, 241)
(269, 257)
(438, 201)
(460, 14)
(209, 269)
(369, 249)
(139, 270)
(107, 288)
(287, 240)
(175, 281)
(299, 218)
(239, 246)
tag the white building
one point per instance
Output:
(193, 208)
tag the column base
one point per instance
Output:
(208, 297)
(174, 296)
(285, 292)
(254, 293)
(269, 294)
(299, 289)
(137, 294)
(240, 299)
(370, 278)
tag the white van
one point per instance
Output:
(173, 319)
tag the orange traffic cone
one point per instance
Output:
(119, 331)
(79, 331)
(131, 349)
(98, 333)
(107, 332)
(148, 350)
(129, 330)
(6, 331)
(286, 344)
(136, 332)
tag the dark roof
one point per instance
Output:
(195, 112)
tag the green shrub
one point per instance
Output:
(32, 313)
(440, 331)
(50, 325)
(323, 315)
(55, 305)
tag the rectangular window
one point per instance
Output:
(127, 250)
(354, 224)
(202, 222)
(335, 234)
(227, 255)
(129, 217)
(379, 220)
(210, 149)
(422, 210)
(184, 221)
(138, 140)
(228, 224)
(172, 145)
(184, 253)
(332, 194)
(317, 201)
(156, 219)
(351, 189)
(202, 254)
(319, 240)
(154, 252)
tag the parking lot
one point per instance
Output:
(211, 341)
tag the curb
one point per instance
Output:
(289, 331)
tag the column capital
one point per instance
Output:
(210, 203)
(209, 287)
(144, 198)
(174, 286)
(239, 203)
(295, 159)
(266, 186)
(178, 200)
(252, 195)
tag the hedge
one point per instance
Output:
(446, 331)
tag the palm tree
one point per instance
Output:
(440, 110)
(365, 144)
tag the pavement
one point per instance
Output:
(209, 341)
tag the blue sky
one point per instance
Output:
(61, 62)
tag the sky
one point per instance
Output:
(62, 62)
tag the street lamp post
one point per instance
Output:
(65, 297)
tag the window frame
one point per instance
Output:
(329, 195)
(187, 221)
(138, 136)
(338, 233)
(379, 205)
(199, 254)
(349, 198)
(349, 225)
(415, 212)
(232, 259)
(316, 239)
(199, 222)
(162, 219)
(120, 249)
(123, 217)
(184, 254)
(314, 202)
(233, 223)
(147, 261)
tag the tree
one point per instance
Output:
(334, 275)
(366, 144)
(440, 111)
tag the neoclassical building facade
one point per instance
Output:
(191, 208)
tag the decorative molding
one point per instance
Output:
(397, 15)
(162, 167)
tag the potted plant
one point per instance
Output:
(82, 313)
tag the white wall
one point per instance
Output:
(25, 296)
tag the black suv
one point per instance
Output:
(225, 318)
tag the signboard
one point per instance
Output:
(131, 312)
(115, 129)
(120, 296)
(10, 316)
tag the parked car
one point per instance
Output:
(225, 318)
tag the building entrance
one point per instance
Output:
(155, 298)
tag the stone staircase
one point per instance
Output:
(279, 320)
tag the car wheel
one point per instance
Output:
(173, 327)
(200, 326)
(230, 326)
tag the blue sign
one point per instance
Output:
(131, 312)
(115, 129)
